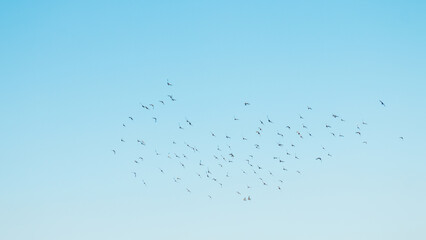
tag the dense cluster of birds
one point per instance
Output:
(241, 157)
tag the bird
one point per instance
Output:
(131, 118)
(188, 190)
(143, 106)
(134, 173)
(114, 151)
(190, 124)
(402, 138)
(155, 119)
(171, 97)
(309, 108)
(168, 83)
(246, 104)
(161, 101)
(381, 102)
(318, 158)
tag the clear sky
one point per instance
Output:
(73, 72)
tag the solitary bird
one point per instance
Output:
(246, 104)
(131, 118)
(381, 102)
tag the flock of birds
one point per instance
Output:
(235, 157)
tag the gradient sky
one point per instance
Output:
(72, 72)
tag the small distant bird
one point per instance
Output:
(113, 151)
(134, 173)
(131, 118)
(269, 120)
(381, 102)
(122, 140)
(333, 134)
(402, 138)
(161, 101)
(124, 125)
(171, 97)
(190, 124)
(152, 105)
(309, 108)
(249, 198)
(236, 119)
(359, 133)
(327, 126)
(246, 104)
(212, 134)
(318, 158)
(168, 83)
(188, 190)
(155, 119)
(147, 108)
(335, 116)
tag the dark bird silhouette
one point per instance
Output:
(161, 101)
(113, 151)
(143, 106)
(155, 119)
(381, 102)
(402, 138)
(309, 108)
(190, 124)
(171, 97)
(131, 118)
(246, 104)
(169, 84)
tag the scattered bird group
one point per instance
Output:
(249, 161)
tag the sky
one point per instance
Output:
(73, 72)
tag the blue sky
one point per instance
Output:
(72, 73)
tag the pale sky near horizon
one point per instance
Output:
(73, 72)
